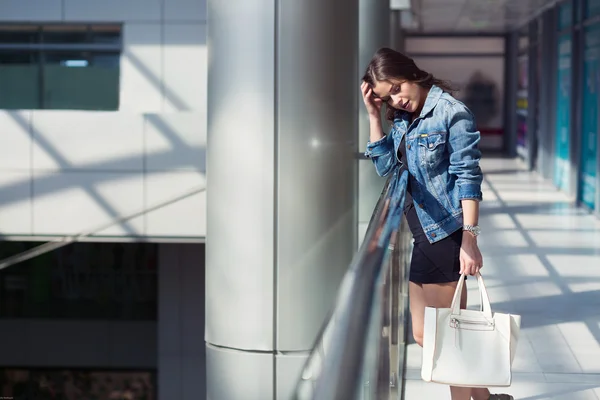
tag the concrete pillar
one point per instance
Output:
(281, 185)
(374, 32)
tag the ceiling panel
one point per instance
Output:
(455, 16)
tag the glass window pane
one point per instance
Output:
(116, 281)
(110, 60)
(523, 42)
(565, 15)
(65, 34)
(79, 81)
(83, 80)
(19, 57)
(19, 34)
(107, 34)
(19, 80)
(67, 58)
(592, 8)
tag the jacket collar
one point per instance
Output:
(433, 97)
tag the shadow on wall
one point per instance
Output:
(166, 143)
(118, 160)
(158, 84)
(164, 66)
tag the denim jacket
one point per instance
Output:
(443, 160)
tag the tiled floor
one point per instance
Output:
(542, 260)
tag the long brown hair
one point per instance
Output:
(390, 65)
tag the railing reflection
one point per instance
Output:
(361, 351)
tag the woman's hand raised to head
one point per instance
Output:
(372, 103)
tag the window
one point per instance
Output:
(565, 15)
(60, 66)
(114, 281)
(592, 8)
(523, 40)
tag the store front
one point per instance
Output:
(590, 87)
(564, 96)
(558, 125)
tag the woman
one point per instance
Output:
(433, 136)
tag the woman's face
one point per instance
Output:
(401, 95)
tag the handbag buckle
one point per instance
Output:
(472, 324)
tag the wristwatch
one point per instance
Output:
(475, 230)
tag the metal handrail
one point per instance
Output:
(336, 368)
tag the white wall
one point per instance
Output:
(437, 56)
(64, 172)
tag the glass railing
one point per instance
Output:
(360, 353)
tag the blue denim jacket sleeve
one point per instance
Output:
(464, 151)
(382, 154)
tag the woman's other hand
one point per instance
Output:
(372, 103)
(471, 260)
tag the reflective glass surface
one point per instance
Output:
(361, 351)
(115, 281)
(38, 71)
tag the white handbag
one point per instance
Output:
(468, 347)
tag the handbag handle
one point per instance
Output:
(485, 300)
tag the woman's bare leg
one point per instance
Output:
(437, 295)
(480, 394)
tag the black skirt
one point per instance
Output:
(437, 262)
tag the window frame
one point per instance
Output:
(41, 48)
